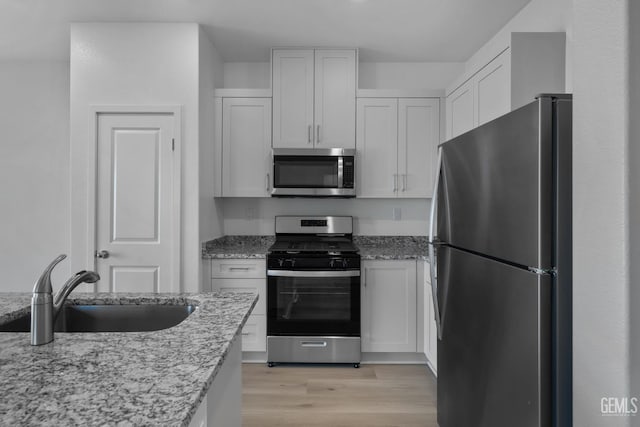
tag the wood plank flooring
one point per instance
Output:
(338, 396)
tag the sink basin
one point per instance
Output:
(110, 318)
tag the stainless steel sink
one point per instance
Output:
(110, 318)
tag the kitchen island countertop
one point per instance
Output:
(118, 378)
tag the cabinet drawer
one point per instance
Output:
(254, 333)
(232, 268)
(244, 285)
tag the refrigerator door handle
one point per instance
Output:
(432, 255)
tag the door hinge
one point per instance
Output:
(543, 271)
(173, 144)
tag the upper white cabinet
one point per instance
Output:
(533, 63)
(246, 140)
(396, 143)
(314, 97)
(389, 306)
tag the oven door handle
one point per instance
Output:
(303, 273)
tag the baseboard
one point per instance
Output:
(367, 358)
(394, 358)
(254, 357)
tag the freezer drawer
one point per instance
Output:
(494, 356)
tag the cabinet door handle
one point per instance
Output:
(318, 134)
(309, 134)
(267, 186)
(404, 182)
(395, 182)
(239, 268)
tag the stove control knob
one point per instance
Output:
(280, 262)
(332, 263)
(345, 264)
(291, 262)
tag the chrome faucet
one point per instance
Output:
(45, 308)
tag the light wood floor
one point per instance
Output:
(338, 396)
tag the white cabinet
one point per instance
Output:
(430, 331)
(389, 306)
(377, 147)
(480, 99)
(460, 111)
(314, 96)
(246, 140)
(396, 145)
(242, 275)
(531, 64)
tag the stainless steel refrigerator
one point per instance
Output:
(501, 270)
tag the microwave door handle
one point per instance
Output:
(340, 171)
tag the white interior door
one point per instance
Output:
(135, 202)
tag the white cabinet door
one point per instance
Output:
(377, 145)
(245, 275)
(246, 140)
(335, 98)
(418, 136)
(430, 331)
(492, 85)
(389, 306)
(460, 110)
(293, 89)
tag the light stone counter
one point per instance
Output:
(118, 378)
(371, 247)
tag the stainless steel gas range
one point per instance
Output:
(313, 291)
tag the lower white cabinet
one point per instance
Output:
(389, 306)
(241, 275)
(430, 331)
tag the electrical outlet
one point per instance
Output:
(397, 214)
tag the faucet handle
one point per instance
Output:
(43, 285)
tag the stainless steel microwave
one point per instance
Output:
(311, 172)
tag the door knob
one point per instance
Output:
(102, 254)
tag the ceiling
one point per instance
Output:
(245, 30)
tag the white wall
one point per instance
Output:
(210, 210)
(634, 195)
(601, 225)
(137, 64)
(537, 16)
(371, 216)
(371, 75)
(34, 172)
(247, 75)
(407, 75)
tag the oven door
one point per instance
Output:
(313, 303)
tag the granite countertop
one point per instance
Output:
(118, 378)
(371, 247)
(238, 247)
(392, 247)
